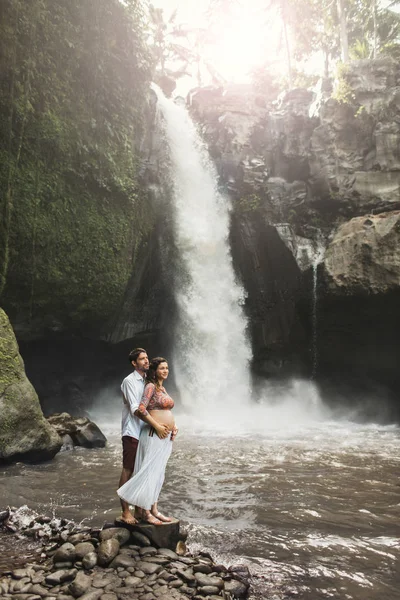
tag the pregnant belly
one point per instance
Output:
(163, 416)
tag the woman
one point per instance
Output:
(153, 452)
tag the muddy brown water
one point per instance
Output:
(313, 511)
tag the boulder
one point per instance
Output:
(106, 551)
(81, 431)
(166, 535)
(89, 436)
(364, 255)
(66, 553)
(24, 432)
(119, 533)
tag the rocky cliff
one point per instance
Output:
(315, 182)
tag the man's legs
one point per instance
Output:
(129, 448)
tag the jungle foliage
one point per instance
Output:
(73, 79)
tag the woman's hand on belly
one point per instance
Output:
(164, 417)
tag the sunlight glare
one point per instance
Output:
(244, 45)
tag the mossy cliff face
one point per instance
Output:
(24, 432)
(69, 262)
(73, 209)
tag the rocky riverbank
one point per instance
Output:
(111, 563)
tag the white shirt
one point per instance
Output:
(132, 389)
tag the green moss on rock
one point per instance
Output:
(24, 432)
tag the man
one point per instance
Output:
(132, 391)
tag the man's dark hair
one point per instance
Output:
(133, 354)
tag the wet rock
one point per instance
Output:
(38, 589)
(83, 548)
(186, 575)
(132, 581)
(160, 536)
(24, 432)
(209, 580)
(92, 595)
(66, 553)
(89, 436)
(148, 551)
(168, 553)
(208, 590)
(119, 533)
(76, 538)
(60, 576)
(22, 573)
(107, 551)
(202, 568)
(147, 567)
(240, 570)
(140, 538)
(158, 560)
(89, 560)
(123, 561)
(177, 583)
(81, 431)
(238, 589)
(80, 585)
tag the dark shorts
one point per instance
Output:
(129, 449)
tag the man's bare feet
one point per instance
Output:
(161, 517)
(128, 518)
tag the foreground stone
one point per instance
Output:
(130, 571)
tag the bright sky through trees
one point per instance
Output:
(238, 43)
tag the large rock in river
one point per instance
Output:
(24, 432)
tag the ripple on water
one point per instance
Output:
(314, 508)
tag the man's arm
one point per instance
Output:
(130, 396)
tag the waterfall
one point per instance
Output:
(317, 258)
(211, 349)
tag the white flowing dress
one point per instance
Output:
(144, 487)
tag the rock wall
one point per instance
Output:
(321, 172)
(24, 432)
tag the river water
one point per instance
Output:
(311, 507)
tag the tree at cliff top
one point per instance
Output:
(73, 78)
(335, 28)
(171, 57)
(361, 29)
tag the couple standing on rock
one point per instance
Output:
(148, 428)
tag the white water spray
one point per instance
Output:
(212, 352)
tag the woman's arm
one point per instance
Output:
(161, 429)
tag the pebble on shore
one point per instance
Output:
(112, 564)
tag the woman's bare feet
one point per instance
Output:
(148, 517)
(161, 517)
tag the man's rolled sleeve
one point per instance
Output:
(130, 395)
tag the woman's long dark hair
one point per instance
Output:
(151, 373)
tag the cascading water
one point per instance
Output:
(212, 351)
(317, 258)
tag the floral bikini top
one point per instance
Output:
(155, 399)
